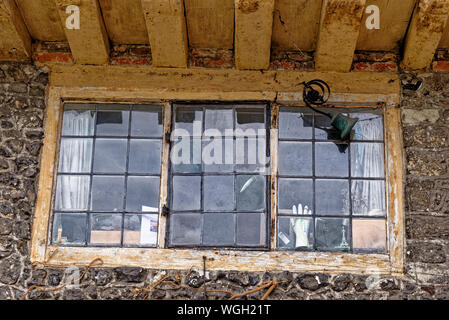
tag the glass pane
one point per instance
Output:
(186, 193)
(142, 194)
(323, 128)
(295, 124)
(185, 229)
(72, 192)
(248, 121)
(218, 155)
(107, 193)
(251, 155)
(295, 233)
(368, 197)
(110, 156)
(251, 229)
(140, 229)
(332, 234)
(295, 196)
(218, 119)
(186, 155)
(369, 126)
(112, 121)
(367, 160)
(250, 192)
(69, 228)
(146, 121)
(331, 160)
(295, 158)
(332, 197)
(145, 156)
(369, 234)
(186, 118)
(218, 193)
(78, 120)
(218, 229)
(75, 155)
(105, 228)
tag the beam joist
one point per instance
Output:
(166, 26)
(15, 41)
(253, 29)
(89, 43)
(425, 32)
(338, 35)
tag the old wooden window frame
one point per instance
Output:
(217, 259)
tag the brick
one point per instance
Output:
(53, 57)
(440, 66)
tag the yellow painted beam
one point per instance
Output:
(338, 35)
(166, 26)
(253, 29)
(425, 33)
(15, 41)
(89, 43)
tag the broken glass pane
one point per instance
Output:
(105, 228)
(369, 234)
(218, 193)
(110, 155)
(332, 197)
(295, 158)
(75, 155)
(218, 229)
(107, 193)
(69, 228)
(250, 193)
(331, 160)
(295, 196)
(145, 156)
(112, 121)
(332, 234)
(295, 124)
(143, 194)
(367, 160)
(185, 229)
(140, 229)
(251, 229)
(186, 193)
(78, 120)
(368, 197)
(295, 233)
(72, 192)
(146, 121)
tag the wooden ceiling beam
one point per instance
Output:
(253, 29)
(15, 41)
(338, 35)
(425, 33)
(166, 26)
(89, 44)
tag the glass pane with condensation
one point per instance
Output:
(369, 234)
(295, 196)
(218, 193)
(368, 197)
(140, 230)
(188, 121)
(78, 120)
(108, 193)
(69, 228)
(72, 192)
(105, 229)
(331, 160)
(332, 234)
(185, 229)
(75, 155)
(251, 229)
(142, 194)
(367, 160)
(295, 123)
(218, 120)
(218, 229)
(332, 197)
(144, 156)
(295, 158)
(295, 233)
(250, 192)
(146, 121)
(250, 122)
(186, 193)
(110, 155)
(112, 120)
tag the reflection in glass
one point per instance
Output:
(251, 229)
(218, 229)
(295, 158)
(144, 156)
(110, 156)
(140, 229)
(105, 228)
(332, 197)
(186, 193)
(250, 192)
(332, 234)
(185, 229)
(142, 194)
(146, 121)
(69, 228)
(331, 160)
(218, 193)
(108, 193)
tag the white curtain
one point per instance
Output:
(75, 157)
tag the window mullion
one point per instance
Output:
(274, 129)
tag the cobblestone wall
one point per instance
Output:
(426, 141)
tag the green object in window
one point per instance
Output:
(343, 124)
